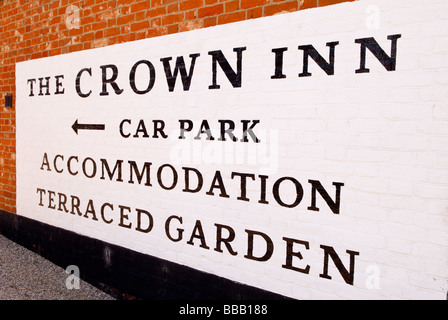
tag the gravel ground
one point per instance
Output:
(25, 275)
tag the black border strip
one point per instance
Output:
(121, 272)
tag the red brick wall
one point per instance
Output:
(36, 29)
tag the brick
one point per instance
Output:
(140, 25)
(125, 19)
(75, 32)
(190, 25)
(323, 3)
(171, 8)
(95, 9)
(87, 28)
(100, 43)
(55, 20)
(231, 17)
(254, 13)
(174, 28)
(232, 6)
(190, 4)
(125, 10)
(307, 4)
(210, 11)
(210, 22)
(125, 37)
(159, 11)
(87, 20)
(247, 4)
(125, 29)
(99, 34)
(110, 32)
(87, 37)
(190, 15)
(140, 35)
(139, 16)
(156, 22)
(172, 18)
(156, 32)
(99, 25)
(156, 3)
(86, 46)
(140, 6)
(288, 6)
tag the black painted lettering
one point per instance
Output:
(179, 230)
(111, 206)
(75, 205)
(310, 51)
(54, 163)
(45, 86)
(174, 175)
(117, 168)
(139, 174)
(349, 276)
(249, 130)
(51, 195)
(263, 179)
(69, 165)
(59, 88)
(333, 205)
(220, 239)
(179, 68)
(62, 202)
(78, 83)
(93, 167)
(243, 184)
(90, 209)
(159, 126)
(198, 233)
(218, 183)
(235, 78)
(152, 77)
(41, 192)
(141, 128)
(111, 80)
(31, 83)
(276, 192)
(205, 128)
(185, 125)
(388, 62)
(199, 179)
(150, 220)
(290, 253)
(229, 130)
(278, 74)
(127, 135)
(124, 217)
(250, 246)
(45, 163)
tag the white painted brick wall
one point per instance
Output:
(383, 134)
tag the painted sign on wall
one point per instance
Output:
(303, 153)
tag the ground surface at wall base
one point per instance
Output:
(121, 272)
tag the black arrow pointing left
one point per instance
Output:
(80, 126)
